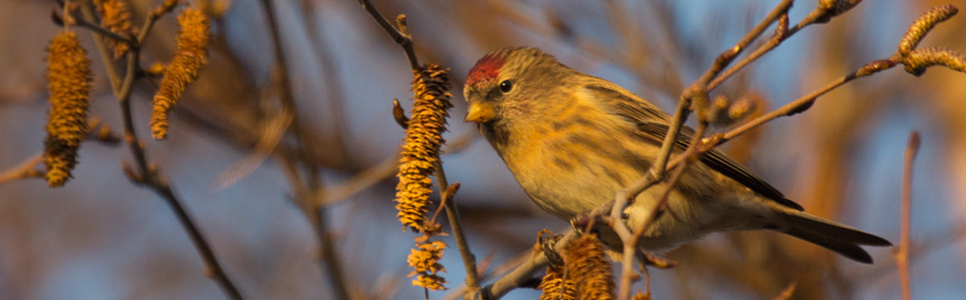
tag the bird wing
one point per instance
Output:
(645, 117)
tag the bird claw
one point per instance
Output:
(654, 260)
(546, 242)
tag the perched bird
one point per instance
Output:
(573, 140)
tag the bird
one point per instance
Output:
(572, 141)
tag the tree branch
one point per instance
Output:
(905, 216)
(26, 169)
(399, 35)
(519, 275)
(150, 175)
(308, 197)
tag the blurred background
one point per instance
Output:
(101, 237)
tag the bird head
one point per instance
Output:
(513, 85)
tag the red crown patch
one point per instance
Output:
(485, 69)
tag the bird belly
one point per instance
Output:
(566, 175)
(567, 180)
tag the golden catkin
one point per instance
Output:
(191, 55)
(920, 59)
(69, 84)
(923, 25)
(420, 148)
(555, 288)
(642, 296)
(116, 17)
(425, 262)
(589, 268)
(425, 259)
(432, 282)
(837, 7)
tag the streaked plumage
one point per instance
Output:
(573, 140)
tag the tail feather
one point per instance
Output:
(847, 249)
(842, 239)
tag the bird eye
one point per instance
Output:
(506, 86)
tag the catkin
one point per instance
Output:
(420, 150)
(923, 25)
(69, 84)
(420, 154)
(588, 267)
(191, 55)
(554, 286)
(116, 17)
(425, 262)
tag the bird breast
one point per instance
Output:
(576, 161)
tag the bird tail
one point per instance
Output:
(842, 239)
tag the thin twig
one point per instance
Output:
(87, 23)
(146, 175)
(797, 106)
(153, 16)
(521, 274)
(399, 35)
(794, 107)
(332, 80)
(113, 78)
(905, 216)
(26, 169)
(812, 18)
(310, 200)
(926, 245)
(787, 292)
(500, 270)
(657, 172)
(469, 260)
(727, 56)
(803, 103)
(623, 197)
(387, 168)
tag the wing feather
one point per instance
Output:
(646, 118)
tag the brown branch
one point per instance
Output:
(921, 248)
(902, 253)
(153, 17)
(698, 93)
(333, 85)
(385, 169)
(147, 175)
(89, 24)
(503, 268)
(399, 35)
(309, 198)
(803, 103)
(816, 16)
(727, 56)
(469, 260)
(787, 292)
(26, 169)
(520, 275)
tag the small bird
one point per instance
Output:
(573, 141)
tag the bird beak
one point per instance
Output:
(480, 112)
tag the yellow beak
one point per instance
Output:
(480, 112)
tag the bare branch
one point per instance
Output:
(521, 274)
(399, 35)
(905, 216)
(309, 195)
(26, 169)
(727, 56)
(147, 174)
